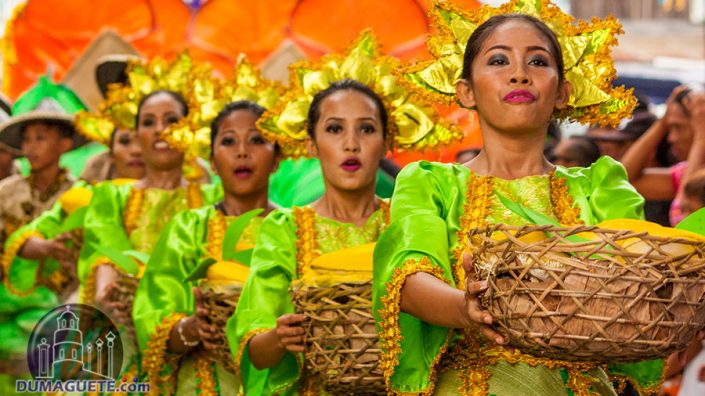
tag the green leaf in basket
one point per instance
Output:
(201, 269)
(527, 214)
(234, 232)
(534, 217)
(137, 255)
(244, 256)
(120, 259)
(73, 221)
(695, 222)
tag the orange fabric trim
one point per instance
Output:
(306, 244)
(390, 334)
(8, 257)
(156, 358)
(478, 198)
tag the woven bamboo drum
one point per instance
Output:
(591, 300)
(342, 350)
(220, 298)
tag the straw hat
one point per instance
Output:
(112, 69)
(45, 101)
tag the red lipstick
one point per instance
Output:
(351, 164)
(519, 96)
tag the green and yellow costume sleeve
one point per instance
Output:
(22, 272)
(103, 225)
(163, 294)
(264, 298)
(444, 200)
(110, 212)
(162, 290)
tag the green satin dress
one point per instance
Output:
(266, 297)
(105, 225)
(433, 203)
(27, 300)
(106, 216)
(163, 291)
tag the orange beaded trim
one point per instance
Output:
(133, 206)
(475, 375)
(384, 207)
(306, 238)
(562, 202)
(156, 359)
(9, 256)
(88, 290)
(133, 209)
(205, 376)
(216, 233)
(194, 196)
(306, 243)
(478, 199)
(390, 334)
(243, 346)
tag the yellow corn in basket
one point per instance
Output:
(606, 296)
(342, 349)
(221, 292)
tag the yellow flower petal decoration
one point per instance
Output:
(194, 82)
(585, 47)
(209, 96)
(413, 124)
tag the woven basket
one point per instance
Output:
(342, 350)
(591, 300)
(220, 298)
(63, 282)
(125, 291)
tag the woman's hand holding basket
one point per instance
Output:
(290, 334)
(475, 316)
(207, 333)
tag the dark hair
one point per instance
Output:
(314, 111)
(584, 150)
(65, 128)
(175, 95)
(695, 187)
(231, 108)
(680, 101)
(483, 31)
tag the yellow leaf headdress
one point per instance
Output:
(192, 134)
(413, 124)
(194, 82)
(585, 47)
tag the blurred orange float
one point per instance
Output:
(51, 34)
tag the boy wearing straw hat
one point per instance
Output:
(41, 128)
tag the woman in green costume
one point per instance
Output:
(435, 336)
(131, 217)
(337, 108)
(165, 305)
(43, 239)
